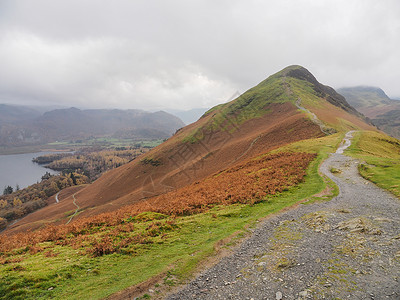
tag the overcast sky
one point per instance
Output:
(185, 54)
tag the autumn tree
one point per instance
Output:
(3, 203)
(17, 202)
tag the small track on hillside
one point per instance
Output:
(346, 248)
(77, 208)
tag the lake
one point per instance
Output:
(19, 169)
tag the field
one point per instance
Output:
(107, 142)
(130, 246)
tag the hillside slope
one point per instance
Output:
(264, 118)
(376, 105)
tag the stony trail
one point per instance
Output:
(77, 208)
(346, 248)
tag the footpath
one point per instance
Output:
(346, 248)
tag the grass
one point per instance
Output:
(381, 159)
(68, 274)
(334, 170)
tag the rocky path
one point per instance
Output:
(347, 248)
(77, 208)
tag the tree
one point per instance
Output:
(17, 202)
(3, 203)
(8, 190)
(73, 178)
(46, 176)
(3, 223)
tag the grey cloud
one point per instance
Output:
(184, 54)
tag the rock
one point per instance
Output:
(151, 291)
(359, 225)
(303, 294)
(382, 220)
(278, 296)
(357, 230)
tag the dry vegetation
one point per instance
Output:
(249, 182)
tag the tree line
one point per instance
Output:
(18, 203)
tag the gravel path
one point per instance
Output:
(347, 248)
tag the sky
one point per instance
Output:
(183, 54)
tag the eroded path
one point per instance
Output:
(77, 208)
(347, 248)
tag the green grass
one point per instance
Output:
(380, 155)
(72, 275)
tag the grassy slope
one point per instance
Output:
(73, 275)
(381, 156)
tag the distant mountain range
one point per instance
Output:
(376, 105)
(20, 125)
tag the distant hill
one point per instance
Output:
(189, 116)
(288, 106)
(16, 114)
(25, 126)
(375, 104)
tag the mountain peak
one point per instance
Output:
(301, 73)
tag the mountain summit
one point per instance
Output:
(321, 90)
(288, 106)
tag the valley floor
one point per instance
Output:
(348, 248)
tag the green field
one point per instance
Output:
(106, 142)
(380, 157)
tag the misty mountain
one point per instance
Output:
(375, 104)
(28, 127)
(16, 114)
